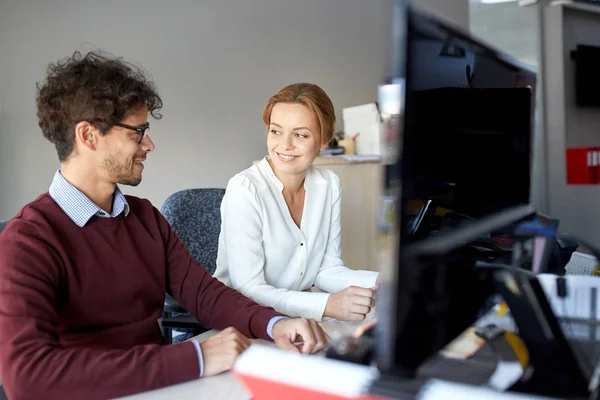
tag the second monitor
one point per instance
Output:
(458, 122)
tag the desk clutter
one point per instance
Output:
(361, 134)
(483, 362)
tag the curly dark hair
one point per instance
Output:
(95, 88)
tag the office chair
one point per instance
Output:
(195, 216)
(3, 225)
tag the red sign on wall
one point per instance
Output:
(583, 166)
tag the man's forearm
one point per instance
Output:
(47, 371)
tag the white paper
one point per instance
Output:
(506, 374)
(365, 121)
(581, 264)
(437, 389)
(580, 302)
(360, 158)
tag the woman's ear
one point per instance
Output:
(324, 146)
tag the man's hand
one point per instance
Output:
(351, 304)
(221, 351)
(361, 330)
(307, 332)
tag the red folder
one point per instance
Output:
(270, 373)
(583, 166)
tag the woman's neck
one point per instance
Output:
(293, 184)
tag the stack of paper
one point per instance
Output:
(271, 373)
(581, 303)
(365, 121)
(581, 264)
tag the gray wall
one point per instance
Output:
(215, 64)
(566, 124)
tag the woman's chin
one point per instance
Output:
(291, 168)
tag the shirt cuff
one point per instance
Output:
(272, 323)
(200, 358)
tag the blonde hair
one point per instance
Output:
(310, 96)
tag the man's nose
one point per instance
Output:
(147, 144)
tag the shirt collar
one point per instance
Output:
(267, 171)
(78, 206)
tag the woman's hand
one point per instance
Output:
(351, 304)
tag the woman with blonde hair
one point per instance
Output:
(280, 230)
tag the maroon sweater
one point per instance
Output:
(79, 306)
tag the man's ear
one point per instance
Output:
(86, 134)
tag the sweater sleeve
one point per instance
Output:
(216, 305)
(34, 364)
(333, 276)
(242, 228)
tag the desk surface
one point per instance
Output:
(344, 159)
(225, 386)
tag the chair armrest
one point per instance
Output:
(183, 322)
(172, 306)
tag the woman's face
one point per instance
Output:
(294, 138)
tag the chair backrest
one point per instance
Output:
(195, 215)
(3, 225)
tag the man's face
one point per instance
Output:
(124, 154)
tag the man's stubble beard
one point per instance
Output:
(121, 173)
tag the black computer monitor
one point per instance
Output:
(458, 121)
(441, 288)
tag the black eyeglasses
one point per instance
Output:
(139, 129)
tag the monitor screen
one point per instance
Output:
(457, 136)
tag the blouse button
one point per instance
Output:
(301, 244)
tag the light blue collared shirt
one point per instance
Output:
(80, 209)
(78, 206)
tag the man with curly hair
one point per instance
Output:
(84, 268)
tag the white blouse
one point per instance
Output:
(264, 255)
